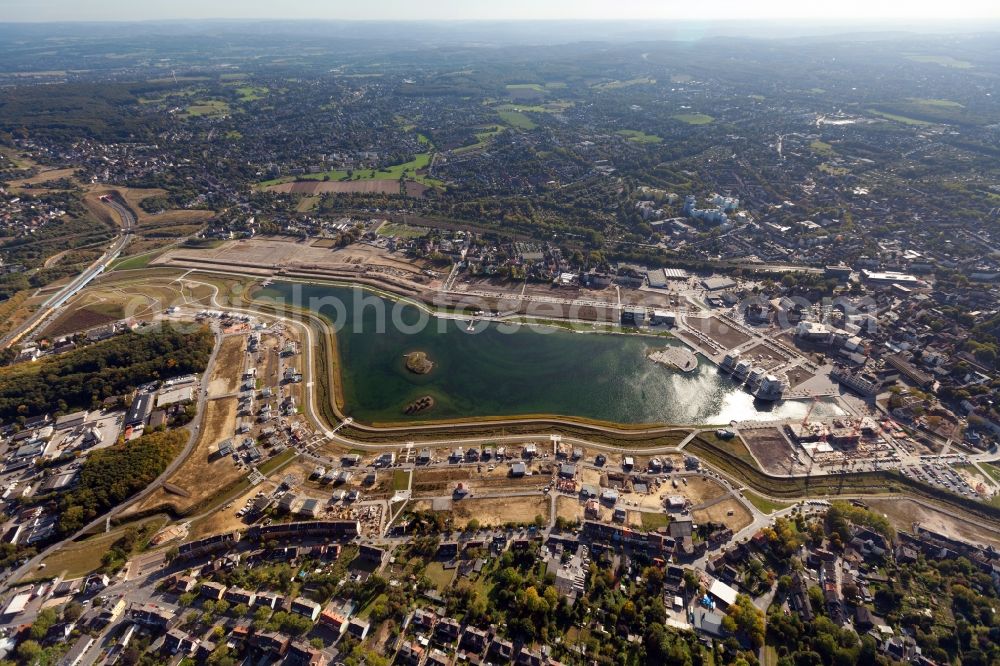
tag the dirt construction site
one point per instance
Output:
(491, 511)
(269, 257)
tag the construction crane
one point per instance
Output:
(812, 405)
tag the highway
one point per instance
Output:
(60, 298)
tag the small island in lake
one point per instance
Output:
(419, 405)
(418, 363)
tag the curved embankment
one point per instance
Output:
(325, 378)
(857, 483)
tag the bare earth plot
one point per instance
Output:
(770, 447)
(81, 318)
(903, 513)
(764, 356)
(797, 375)
(200, 476)
(719, 513)
(42, 177)
(697, 490)
(569, 508)
(228, 366)
(718, 330)
(226, 520)
(500, 510)
(269, 253)
(107, 301)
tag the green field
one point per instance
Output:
(898, 118)
(821, 148)
(209, 108)
(654, 521)
(548, 107)
(940, 103)
(484, 136)
(537, 87)
(637, 136)
(134, 262)
(833, 170)
(251, 93)
(517, 119)
(401, 479)
(395, 172)
(401, 230)
(81, 558)
(943, 60)
(763, 504)
(694, 118)
(614, 85)
(441, 578)
(991, 469)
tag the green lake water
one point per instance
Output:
(508, 370)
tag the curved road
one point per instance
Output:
(59, 299)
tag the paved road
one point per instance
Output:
(59, 299)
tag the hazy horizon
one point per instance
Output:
(850, 11)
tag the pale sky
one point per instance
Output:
(852, 10)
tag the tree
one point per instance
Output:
(72, 612)
(29, 651)
(40, 627)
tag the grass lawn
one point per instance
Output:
(991, 469)
(763, 504)
(401, 479)
(401, 230)
(694, 118)
(653, 521)
(437, 574)
(135, 261)
(277, 461)
(898, 118)
(733, 447)
(517, 119)
(79, 559)
(770, 656)
(306, 204)
(637, 136)
(367, 610)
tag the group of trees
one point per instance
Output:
(83, 378)
(111, 475)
